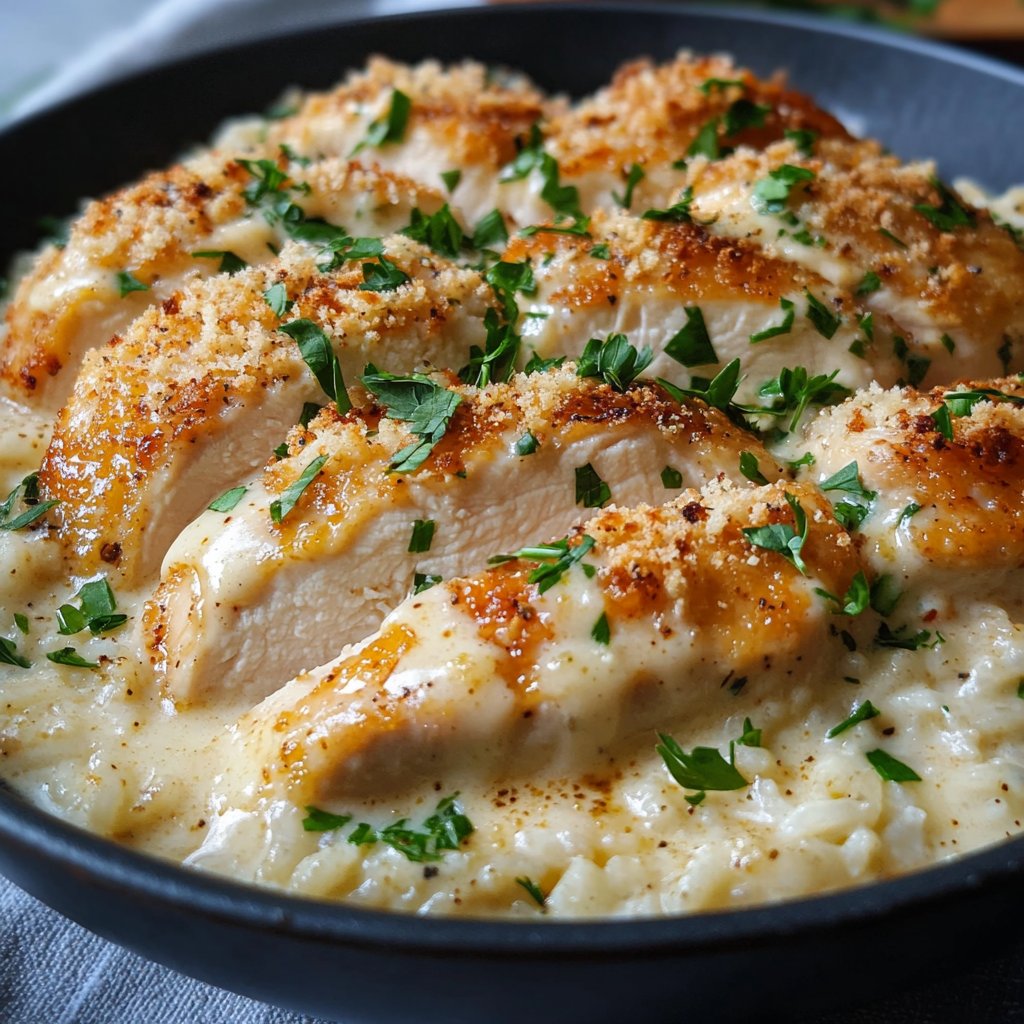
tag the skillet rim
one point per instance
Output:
(31, 830)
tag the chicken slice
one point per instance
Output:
(652, 280)
(947, 510)
(650, 116)
(461, 118)
(197, 393)
(944, 272)
(72, 300)
(493, 670)
(240, 607)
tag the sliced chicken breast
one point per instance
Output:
(699, 302)
(549, 664)
(77, 297)
(951, 279)
(945, 472)
(197, 393)
(651, 116)
(241, 607)
(462, 118)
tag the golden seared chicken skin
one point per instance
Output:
(551, 662)
(198, 392)
(939, 476)
(240, 606)
(135, 249)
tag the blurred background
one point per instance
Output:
(52, 48)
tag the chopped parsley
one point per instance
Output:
(948, 343)
(678, 212)
(885, 233)
(9, 654)
(705, 142)
(563, 199)
(339, 250)
(496, 361)
(319, 355)
(783, 538)
(856, 598)
(283, 505)
(451, 179)
(21, 621)
(950, 214)
(527, 444)
(885, 594)
(538, 365)
(28, 491)
(230, 263)
(317, 820)
(826, 323)
(869, 283)
(908, 512)
(69, 656)
(789, 309)
(490, 231)
(750, 469)
(671, 478)
(427, 408)
(848, 479)
(389, 128)
(424, 581)
(750, 736)
(633, 178)
(507, 278)
(600, 251)
(382, 276)
(742, 114)
(591, 490)
(861, 713)
(702, 769)
(422, 535)
(772, 193)
(440, 231)
(602, 632)
(557, 559)
(803, 138)
(691, 345)
(794, 389)
(127, 283)
(276, 297)
(614, 360)
(898, 639)
(943, 421)
(717, 392)
(533, 890)
(228, 500)
(890, 769)
(710, 85)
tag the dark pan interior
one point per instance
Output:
(921, 100)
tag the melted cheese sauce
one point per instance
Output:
(106, 750)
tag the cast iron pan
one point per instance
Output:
(359, 965)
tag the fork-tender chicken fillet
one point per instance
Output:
(960, 287)
(487, 674)
(197, 393)
(241, 607)
(461, 118)
(650, 115)
(658, 275)
(969, 489)
(71, 301)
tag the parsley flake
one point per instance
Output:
(382, 276)
(323, 821)
(451, 179)
(591, 490)
(28, 491)
(230, 263)
(783, 538)
(276, 297)
(422, 535)
(602, 632)
(283, 505)
(789, 309)
(691, 345)
(862, 713)
(869, 283)
(9, 654)
(490, 231)
(557, 559)
(127, 283)
(389, 128)
(671, 479)
(702, 769)
(890, 769)
(424, 581)
(750, 469)
(614, 360)
(950, 214)
(319, 355)
(527, 444)
(633, 178)
(69, 656)
(854, 601)
(228, 500)
(533, 890)
(440, 231)
(772, 193)
(678, 212)
(826, 323)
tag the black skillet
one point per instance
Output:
(358, 965)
